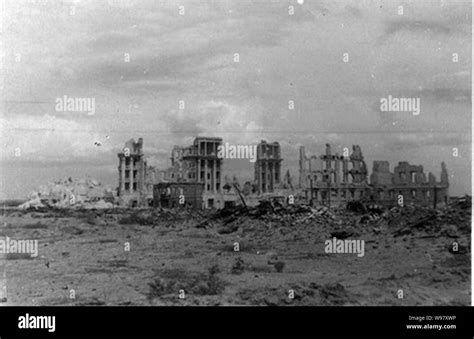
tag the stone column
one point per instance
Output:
(221, 170)
(198, 177)
(344, 171)
(206, 168)
(265, 164)
(131, 174)
(270, 175)
(337, 169)
(214, 176)
(140, 176)
(122, 175)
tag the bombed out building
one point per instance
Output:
(267, 167)
(407, 184)
(328, 179)
(176, 194)
(332, 179)
(195, 170)
(131, 190)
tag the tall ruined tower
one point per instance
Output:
(132, 172)
(359, 168)
(268, 166)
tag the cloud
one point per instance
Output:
(48, 138)
(416, 26)
(190, 58)
(412, 140)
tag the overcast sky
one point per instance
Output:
(79, 49)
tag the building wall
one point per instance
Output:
(208, 167)
(168, 195)
(381, 174)
(328, 179)
(410, 183)
(267, 172)
(132, 173)
(331, 179)
(199, 163)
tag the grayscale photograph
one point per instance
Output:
(235, 153)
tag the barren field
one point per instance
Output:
(279, 249)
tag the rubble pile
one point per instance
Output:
(451, 220)
(83, 193)
(270, 217)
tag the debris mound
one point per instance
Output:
(83, 193)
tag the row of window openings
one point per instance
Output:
(180, 190)
(127, 174)
(403, 176)
(127, 161)
(218, 186)
(127, 186)
(269, 151)
(210, 165)
(345, 194)
(192, 166)
(269, 176)
(413, 193)
(332, 164)
(209, 150)
(173, 190)
(192, 175)
(321, 177)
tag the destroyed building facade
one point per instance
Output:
(332, 179)
(176, 194)
(267, 166)
(198, 163)
(132, 190)
(407, 184)
(328, 179)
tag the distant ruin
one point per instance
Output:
(328, 179)
(332, 179)
(408, 181)
(268, 166)
(132, 173)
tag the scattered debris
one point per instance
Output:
(171, 281)
(279, 265)
(238, 267)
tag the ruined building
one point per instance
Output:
(267, 166)
(328, 179)
(198, 163)
(331, 179)
(407, 184)
(132, 175)
(175, 194)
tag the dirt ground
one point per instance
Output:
(84, 257)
